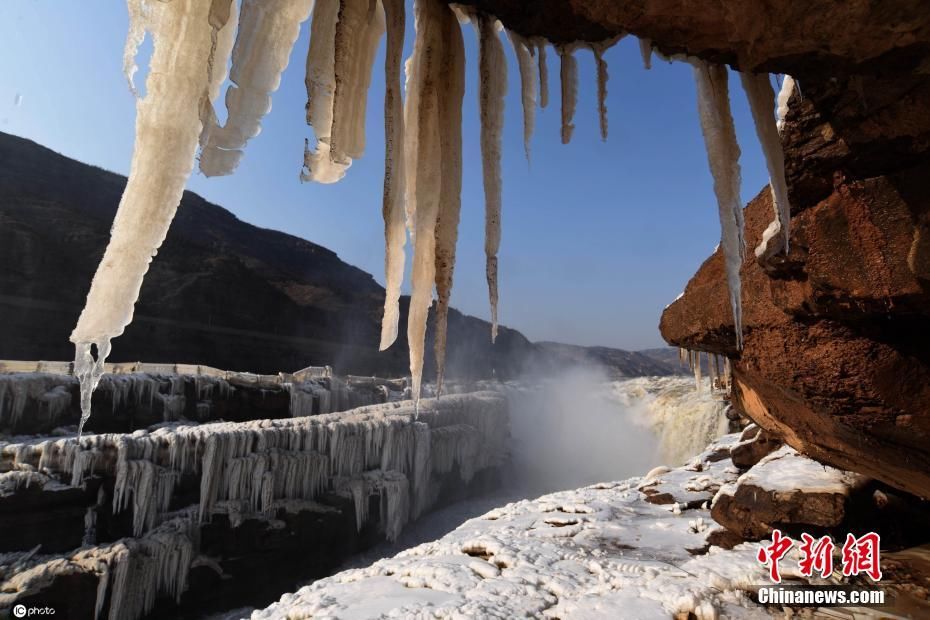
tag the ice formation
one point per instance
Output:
(395, 235)
(343, 40)
(431, 92)
(568, 75)
(543, 73)
(267, 33)
(450, 95)
(645, 50)
(601, 69)
(492, 86)
(251, 468)
(723, 156)
(167, 129)
(524, 51)
(784, 96)
(186, 75)
(758, 87)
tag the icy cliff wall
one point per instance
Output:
(388, 465)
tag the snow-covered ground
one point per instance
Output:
(597, 551)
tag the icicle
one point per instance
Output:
(268, 30)
(339, 65)
(450, 93)
(358, 31)
(423, 170)
(697, 370)
(723, 157)
(321, 88)
(524, 50)
(784, 96)
(492, 71)
(758, 87)
(645, 49)
(569, 80)
(392, 208)
(601, 88)
(167, 129)
(543, 73)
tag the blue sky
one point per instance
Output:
(597, 237)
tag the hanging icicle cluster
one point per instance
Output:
(193, 44)
(723, 156)
(433, 160)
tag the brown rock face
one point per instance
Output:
(837, 333)
(837, 338)
(765, 497)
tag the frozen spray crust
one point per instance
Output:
(193, 43)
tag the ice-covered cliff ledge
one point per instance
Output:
(601, 550)
(641, 548)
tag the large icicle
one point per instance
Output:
(167, 129)
(268, 30)
(524, 52)
(392, 207)
(492, 86)
(723, 156)
(784, 96)
(423, 169)
(569, 80)
(339, 65)
(450, 94)
(758, 87)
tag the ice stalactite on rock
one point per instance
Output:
(568, 75)
(268, 30)
(423, 168)
(645, 50)
(492, 87)
(723, 157)
(168, 125)
(758, 87)
(392, 206)
(344, 37)
(524, 52)
(601, 68)
(784, 96)
(543, 72)
(450, 95)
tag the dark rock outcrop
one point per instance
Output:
(787, 491)
(754, 445)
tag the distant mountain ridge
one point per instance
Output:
(220, 291)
